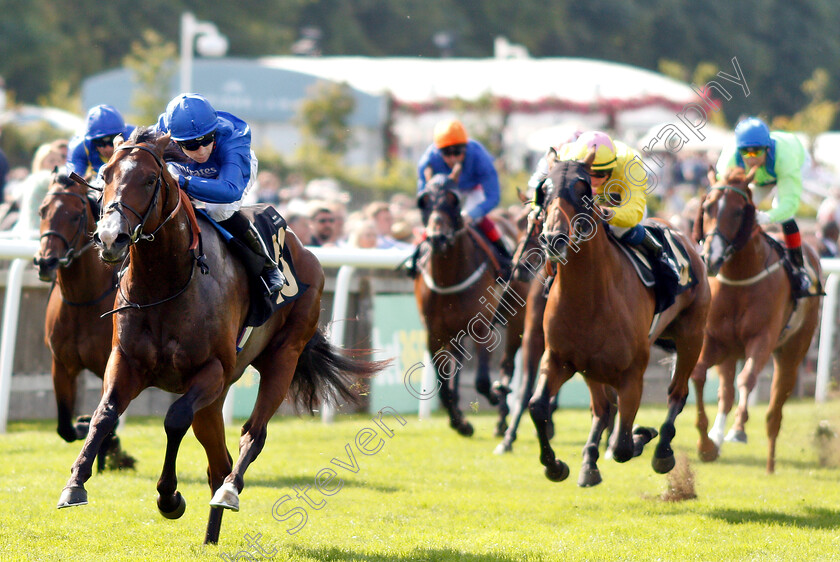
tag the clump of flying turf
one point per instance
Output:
(680, 482)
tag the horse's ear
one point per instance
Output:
(118, 140)
(161, 143)
(697, 232)
(522, 197)
(550, 158)
(428, 173)
(711, 175)
(456, 172)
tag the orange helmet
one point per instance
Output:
(449, 132)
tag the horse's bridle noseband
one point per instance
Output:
(731, 246)
(117, 204)
(71, 253)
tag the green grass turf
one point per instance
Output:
(430, 494)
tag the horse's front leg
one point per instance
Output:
(726, 398)
(209, 428)
(757, 356)
(553, 374)
(628, 442)
(208, 386)
(65, 385)
(121, 386)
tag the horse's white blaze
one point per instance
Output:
(716, 249)
(108, 229)
(127, 165)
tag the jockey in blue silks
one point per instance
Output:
(220, 170)
(93, 148)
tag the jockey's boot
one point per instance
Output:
(505, 259)
(272, 277)
(800, 275)
(660, 259)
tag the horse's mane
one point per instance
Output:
(736, 176)
(151, 135)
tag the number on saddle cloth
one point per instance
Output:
(272, 229)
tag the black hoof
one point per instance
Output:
(72, 496)
(501, 429)
(173, 513)
(589, 477)
(663, 465)
(557, 471)
(82, 426)
(641, 437)
(465, 428)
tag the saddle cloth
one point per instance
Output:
(665, 293)
(272, 229)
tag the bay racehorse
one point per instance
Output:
(752, 315)
(176, 329)
(599, 321)
(458, 296)
(83, 290)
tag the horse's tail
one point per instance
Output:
(325, 375)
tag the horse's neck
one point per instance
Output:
(749, 260)
(456, 263)
(166, 260)
(593, 271)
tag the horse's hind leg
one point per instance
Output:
(208, 426)
(482, 376)
(687, 353)
(552, 376)
(600, 406)
(207, 388)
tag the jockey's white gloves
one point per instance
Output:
(762, 218)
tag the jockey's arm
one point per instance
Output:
(790, 157)
(227, 187)
(485, 175)
(77, 157)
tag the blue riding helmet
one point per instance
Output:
(752, 132)
(103, 120)
(189, 116)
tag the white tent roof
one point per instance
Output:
(524, 79)
(716, 137)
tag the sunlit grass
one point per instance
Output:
(429, 494)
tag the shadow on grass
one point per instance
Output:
(816, 518)
(284, 482)
(420, 554)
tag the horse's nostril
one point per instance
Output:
(122, 239)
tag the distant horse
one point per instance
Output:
(84, 289)
(177, 329)
(752, 314)
(458, 295)
(599, 321)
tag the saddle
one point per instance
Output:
(272, 229)
(816, 289)
(665, 292)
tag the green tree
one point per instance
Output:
(153, 63)
(323, 116)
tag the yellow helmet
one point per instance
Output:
(449, 132)
(604, 149)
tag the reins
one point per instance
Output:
(137, 234)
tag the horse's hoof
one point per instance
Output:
(72, 496)
(82, 426)
(501, 388)
(736, 436)
(501, 429)
(227, 496)
(707, 450)
(589, 477)
(663, 465)
(465, 428)
(502, 448)
(557, 471)
(641, 437)
(716, 437)
(179, 509)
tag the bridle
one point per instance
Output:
(117, 205)
(72, 253)
(740, 239)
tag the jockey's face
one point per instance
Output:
(104, 146)
(201, 154)
(453, 154)
(598, 178)
(753, 156)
